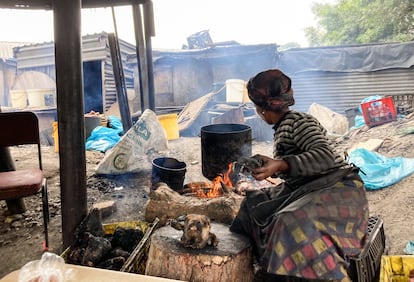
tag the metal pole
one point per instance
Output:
(149, 31)
(120, 82)
(140, 50)
(70, 109)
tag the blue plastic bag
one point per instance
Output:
(359, 121)
(104, 138)
(369, 99)
(409, 248)
(116, 124)
(378, 171)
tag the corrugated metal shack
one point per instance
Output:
(7, 70)
(339, 77)
(7, 74)
(99, 83)
(183, 76)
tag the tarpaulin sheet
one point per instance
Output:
(360, 58)
(378, 171)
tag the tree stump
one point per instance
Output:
(231, 260)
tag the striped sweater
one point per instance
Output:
(302, 142)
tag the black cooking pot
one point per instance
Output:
(170, 171)
(222, 144)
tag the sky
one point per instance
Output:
(247, 22)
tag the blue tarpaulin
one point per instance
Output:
(104, 138)
(379, 171)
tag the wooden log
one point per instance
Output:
(165, 203)
(231, 260)
(106, 208)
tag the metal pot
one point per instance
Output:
(170, 171)
(222, 144)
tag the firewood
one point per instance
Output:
(118, 252)
(91, 224)
(106, 208)
(126, 238)
(97, 248)
(165, 203)
(75, 255)
(114, 263)
(226, 189)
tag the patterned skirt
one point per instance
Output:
(307, 233)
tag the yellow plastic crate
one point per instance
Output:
(396, 268)
(109, 228)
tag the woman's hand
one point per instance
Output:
(269, 168)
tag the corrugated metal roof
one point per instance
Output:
(94, 47)
(215, 52)
(6, 48)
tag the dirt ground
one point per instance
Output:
(21, 236)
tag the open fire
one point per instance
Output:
(235, 180)
(219, 199)
(216, 188)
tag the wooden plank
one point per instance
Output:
(194, 116)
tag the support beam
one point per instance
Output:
(149, 32)
(70, 100)
(48, 4)
(69, 85)
(141, 58)
(121, 90)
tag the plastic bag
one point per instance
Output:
(131, 153)
(116, 124)
(409, 248)
(102, 139)
(50, 268)
(359, 121)
(378, 171)
(369, 99)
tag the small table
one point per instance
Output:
(91, 274)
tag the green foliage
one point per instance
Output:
(361, 22)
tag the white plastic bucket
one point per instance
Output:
(236, 91)
(41, 97)
(18, 99)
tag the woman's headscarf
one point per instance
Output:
(271, 89)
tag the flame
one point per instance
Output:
(213, 189)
